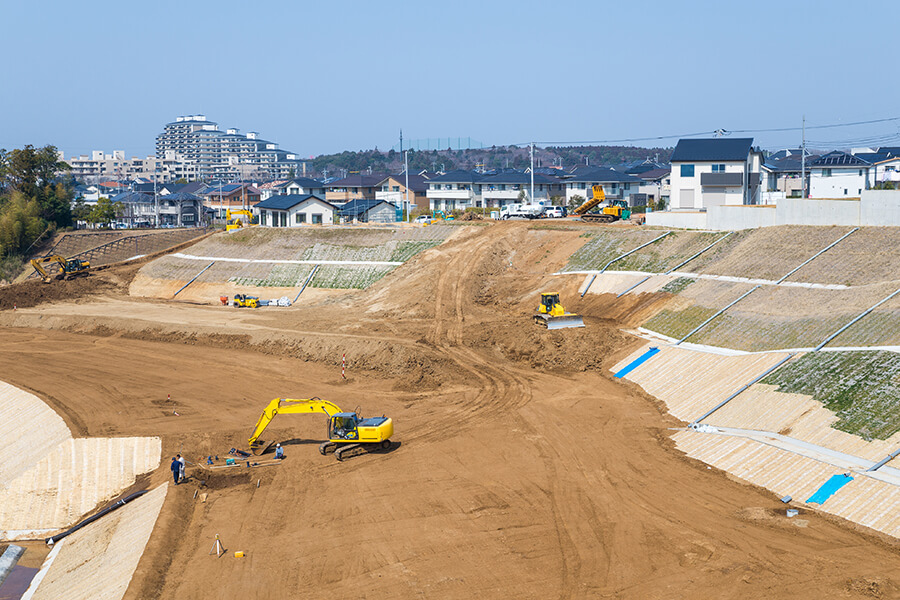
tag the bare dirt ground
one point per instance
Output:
(524, 469)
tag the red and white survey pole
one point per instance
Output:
(344, 365)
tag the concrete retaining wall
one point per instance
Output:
(877, 208)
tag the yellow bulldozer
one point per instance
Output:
(552, 315)
(348, 433)
(69, 268)
(613, 211)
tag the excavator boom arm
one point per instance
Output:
(291, 406)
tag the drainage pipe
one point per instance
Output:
(847, 326)
(740, 391)
(678, 266)
(606, 266)
(119, 503)
(194, 279)
(709, 320)
(811, 258)
(883, 461)
(306, 283)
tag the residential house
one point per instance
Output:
(783, 175)
(368, 211)
(222, 197)
(616, 184)
(302, 186)
(181, 209)
(840, 174)
(461, 189)
(715, 172)
(270, 188)
(295, 210)
(353, 187)
(655, 186)
(393, 190)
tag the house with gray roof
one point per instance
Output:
(714, 172)
(295, 210)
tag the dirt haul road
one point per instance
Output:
(524, 470)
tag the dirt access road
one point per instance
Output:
(524, 470)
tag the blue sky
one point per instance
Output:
(320, 77)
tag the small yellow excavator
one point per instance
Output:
(348, 433)
(233, 219)
(69, 268)
(552, 315)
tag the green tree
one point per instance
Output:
(576, 201)
(35, 173)
(20, 223)
(105, 211)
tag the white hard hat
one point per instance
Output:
(278, 445)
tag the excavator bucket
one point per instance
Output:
(562, 322)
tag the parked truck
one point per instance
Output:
(522, 211)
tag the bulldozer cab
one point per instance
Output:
(548, 301)
(343, 427)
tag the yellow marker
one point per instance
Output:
(239, 554)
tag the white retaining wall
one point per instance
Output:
(880, 208)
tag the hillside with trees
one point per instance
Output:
(34, 201)
(495, 157)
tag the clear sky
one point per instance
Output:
(321, 77)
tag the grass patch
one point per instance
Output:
(861, 388)
(596, 252)
(677, 286)
(279, 276)
(351, 277)
(677, 324)
(406, 250)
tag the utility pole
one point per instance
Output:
(406, 169)
(803, 161)
(531, 200)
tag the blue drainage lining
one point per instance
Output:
(829, 488)
(637, 362)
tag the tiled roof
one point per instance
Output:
(288, 201)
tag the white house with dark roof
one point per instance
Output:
(714, 172)
(295, 210)
(461, 189)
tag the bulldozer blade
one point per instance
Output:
(565, 322)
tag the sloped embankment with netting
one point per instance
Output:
(276, 262)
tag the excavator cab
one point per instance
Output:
(343, 427)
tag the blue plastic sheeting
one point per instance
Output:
(829, 488)
(637, 362)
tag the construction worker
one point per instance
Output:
(180, 467)
(279, 452)
(176, 468)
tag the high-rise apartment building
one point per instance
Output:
(225, 155)
(104, 166)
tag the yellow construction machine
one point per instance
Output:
(245, 301)
(552, 315)
(233, 219)
(613, 211)
(348, 433)
(69, 268)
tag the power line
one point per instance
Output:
(713, 132)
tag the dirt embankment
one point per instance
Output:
(525, 456)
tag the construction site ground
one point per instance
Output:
(523, 467)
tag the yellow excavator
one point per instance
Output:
(348, 433)
(233, 219)
(613, 211)
(69, 268)
(552, 315)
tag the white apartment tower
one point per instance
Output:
(225, 155)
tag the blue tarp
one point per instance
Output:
(829, 488)
(637, 362)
